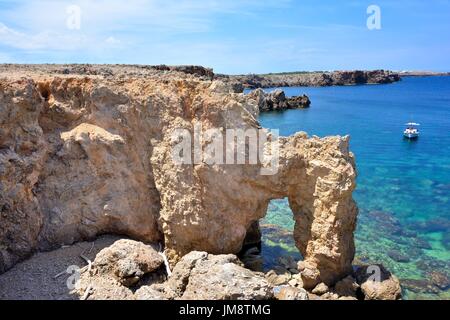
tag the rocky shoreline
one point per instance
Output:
(86, 150)
(277, 100)
(313, 79)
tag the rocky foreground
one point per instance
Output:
(131, 270)
(87, 150)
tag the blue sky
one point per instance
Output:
(230, 36)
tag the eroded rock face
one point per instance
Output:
(277, 100)
(335, 78)
(82, 156)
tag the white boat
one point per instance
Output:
(411, 131)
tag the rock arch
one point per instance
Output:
(210, 208)
(120, 130)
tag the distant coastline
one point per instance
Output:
(312, 79)
(422, 74)
(323, 78)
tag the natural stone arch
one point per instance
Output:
(122, 132)
(211, 207)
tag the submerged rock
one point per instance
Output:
(420, 286)
(440, 279)
(398, 256)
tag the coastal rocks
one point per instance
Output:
(197, 276)
(420, 286)
(117, 268)
(440, 279)
(84, 155)
(290, 293)
(363, 77)
(277, 277)
(299, 102)
(398, 256)
(277, 101)
(377, 283)
(320, 289)
(128, 261)
(221, 277)
(299, 79)
(188, 69)
(347, 287)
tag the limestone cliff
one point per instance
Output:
(84, 155)
(316, 79)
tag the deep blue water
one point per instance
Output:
(403, 187)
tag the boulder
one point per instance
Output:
(320, 289)
(278, 278)
(277, 100)
(201, 276)
(440, 279)
(287, 262)
(346, 287)
(118, 267)
(289, 293)
(128, 261)
(377, 283)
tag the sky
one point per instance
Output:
(233, 37)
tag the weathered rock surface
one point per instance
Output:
(83, 155)
(128, 261)
(382, 286)
(277, 100)
(119, 267)
(197, 276)
(346, 287)
(320, 289)
(290, 293)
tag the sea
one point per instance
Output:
(403, 186)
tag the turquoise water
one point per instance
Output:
(403, 187)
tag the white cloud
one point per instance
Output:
(42, 40)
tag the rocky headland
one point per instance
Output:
(277, 100)
(312, 79)
(86, 151)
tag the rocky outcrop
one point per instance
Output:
(316, 79)
(197, 276)
(277, 100)
(377, 283)
(87, 155)
(131, 270)
(127, 261)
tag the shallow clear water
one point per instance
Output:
(403, 187)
